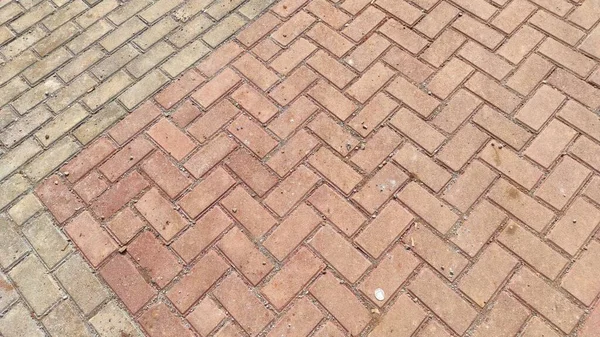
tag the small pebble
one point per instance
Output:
(379, 294)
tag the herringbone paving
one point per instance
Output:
(352, 168)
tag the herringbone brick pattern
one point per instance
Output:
(358, 168)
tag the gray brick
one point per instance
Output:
(142, 89)
(185, 58)
(7, 116)
(81, 63)
(50, 244)
(12, 245)
(224, 29)
(190, 8)
(156, 32)
(61, 124)
(18, 156)
(64, 320)
(96, 13)
(51, 159)
(47, 65)
(112, 321)
(116, 61)
(30, 3)
(64, 14)
(23, 42)
(253, 8)
(89, 36)
(32, 16)
(8, 294)
(101, 120)
(16, 65)
(18, 323)
(56, 39)
(10, 189)
(9, 12)
(67, 95)
(24, 126)
(107, 90)
(148, 60)
(81, 284)
(25, 208)
(190, 30)
(122, 34)
(5, 35)
(220, 8)
(128, 10)
(158, 9)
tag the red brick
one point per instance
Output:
(422, 167)
(372, 114)
(537, 327)
(469, 186)
(532, 250)
(251, 171)
(367, 52)
(207, 125)
(292, 56)
(293, 85)
(505, 319)
(362, 24)
(91, 186)
(179, 88)
(206, 316)
(229, 329)
(328, 13)
(157, 262)
(449, 78)
(210, 155)
(126, 158)
(341, 213)
(488, 274)
(593, 189)
(293, 27)
(185, 114)
(377, 148)
(540, 107)
(219, 58)
(125, 225)
(118, 195)
(591, 325)
(55, 194)
(134, 122)
(341, 303)
(578, 89)
(255, 71)
(159, 321)
(211, 91)
(243, 305)
(550, 143)
(291, 231)
(160, 214)
(575, 226)
(439, 254)
(340, 253)
(245, 255)
(530, 73)
(586, 150)
(93, 241)
(255, 103)
(201, 276)
(370, 82)
(380, 188)
(478, 31)
(556, 27)
(520, 44)
(412, 96)
(249, 212)
(457, 109)
(480, 8)
(329, 39)
(402, 319)
(196, 238)
(443, 47)
(329, 329)
(87, 159)
(333, 134)
(476, 230)
(342, 175)
(485, 60)
(252, 135)
(292, 152)
(434, 22)
(391, 272)
(170, 138)
(586, 15)
(406, 38)
(291, 190)
(391, 221)
(165, 174)
(293, 117)
(292, 278)
(287, 7)
(581, 281)
(331, 69)
(407, 64)
(299, 320)
(491, 91)
(455, 311)
(259, 28)
(433, 329)
(428, 207)
(266, 49)
(121, 275)
(206, 192)
(582, 118)
(564, 181)
(458, 150)
(546, 300)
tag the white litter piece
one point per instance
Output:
(379, 294)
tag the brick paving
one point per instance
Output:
(336, 168)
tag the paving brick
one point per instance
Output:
(457, 109)
(474, 232)
(475, 179)
(404, 37)
(185, 114)
(177, 90)
(24, 126)
(25, 208)
(380, 187)
(91, 186)
(506, 318)
(205, 126)
(80, 63)
(391, 221)
(255, 103)
(18, 156)
(563, 182)
(160, 213)
(12, 187)
(32, 17)
(293, 85)
(18, 322)
(412, 96)
(107, 90)
(255, 71)
(55, 194)
(119, 194)
(224, 29)
(61, 124)
(248, 212)
(328, 13)
(134, 122)
(8, 292)
(13, 246)
(341, 213)
(581, 118)
(202, 234)
(449, 78)
(245, 256)
(293, 56)
(478, 31)
(363, 55)
(418, 130)
(282, 198)
(437, 19)
(421, 166)
(252, 135)
(402, 319)
(589, 328)
(427, 207)
(251, 171)
(580, 281)
(166, 175)
(50, 244)
(126, 158)
(444, 46)
(111, 321)
(579, 63)
(364, 23)
(91, 238)
(206, 316)
(216, 87)
(258, 29)
(64, 320)
(124, 32)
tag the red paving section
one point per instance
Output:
(379, 168)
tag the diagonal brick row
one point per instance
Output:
(364, 168)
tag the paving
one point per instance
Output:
(300, 168)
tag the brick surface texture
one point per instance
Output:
(385, 168)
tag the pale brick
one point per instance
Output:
(37, 287)
(107, 90)
(224, 29)
(8, 293)
(56, 39)
(47, 65)
(23, 41)
(112, 321)
(18, 322)
(51, 159)
(122, 34)
(50, 244)
(124, 12)
(575, 226)
(67, 95)
(158, 9)
(96, 13)
(12, 90)
(185, 58)
(190, 31)
(61, 124)
(81, 284)
(16, 65)
(25, 209)
(35, 95)
(520, 44)
(13, 159)
(64, 320)
(80, 63)
(32, 17)
(156, 32)
(99, 122)
(64, 14)
(24, 126)
(91, 35)
(148, 60)
(12, 245)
